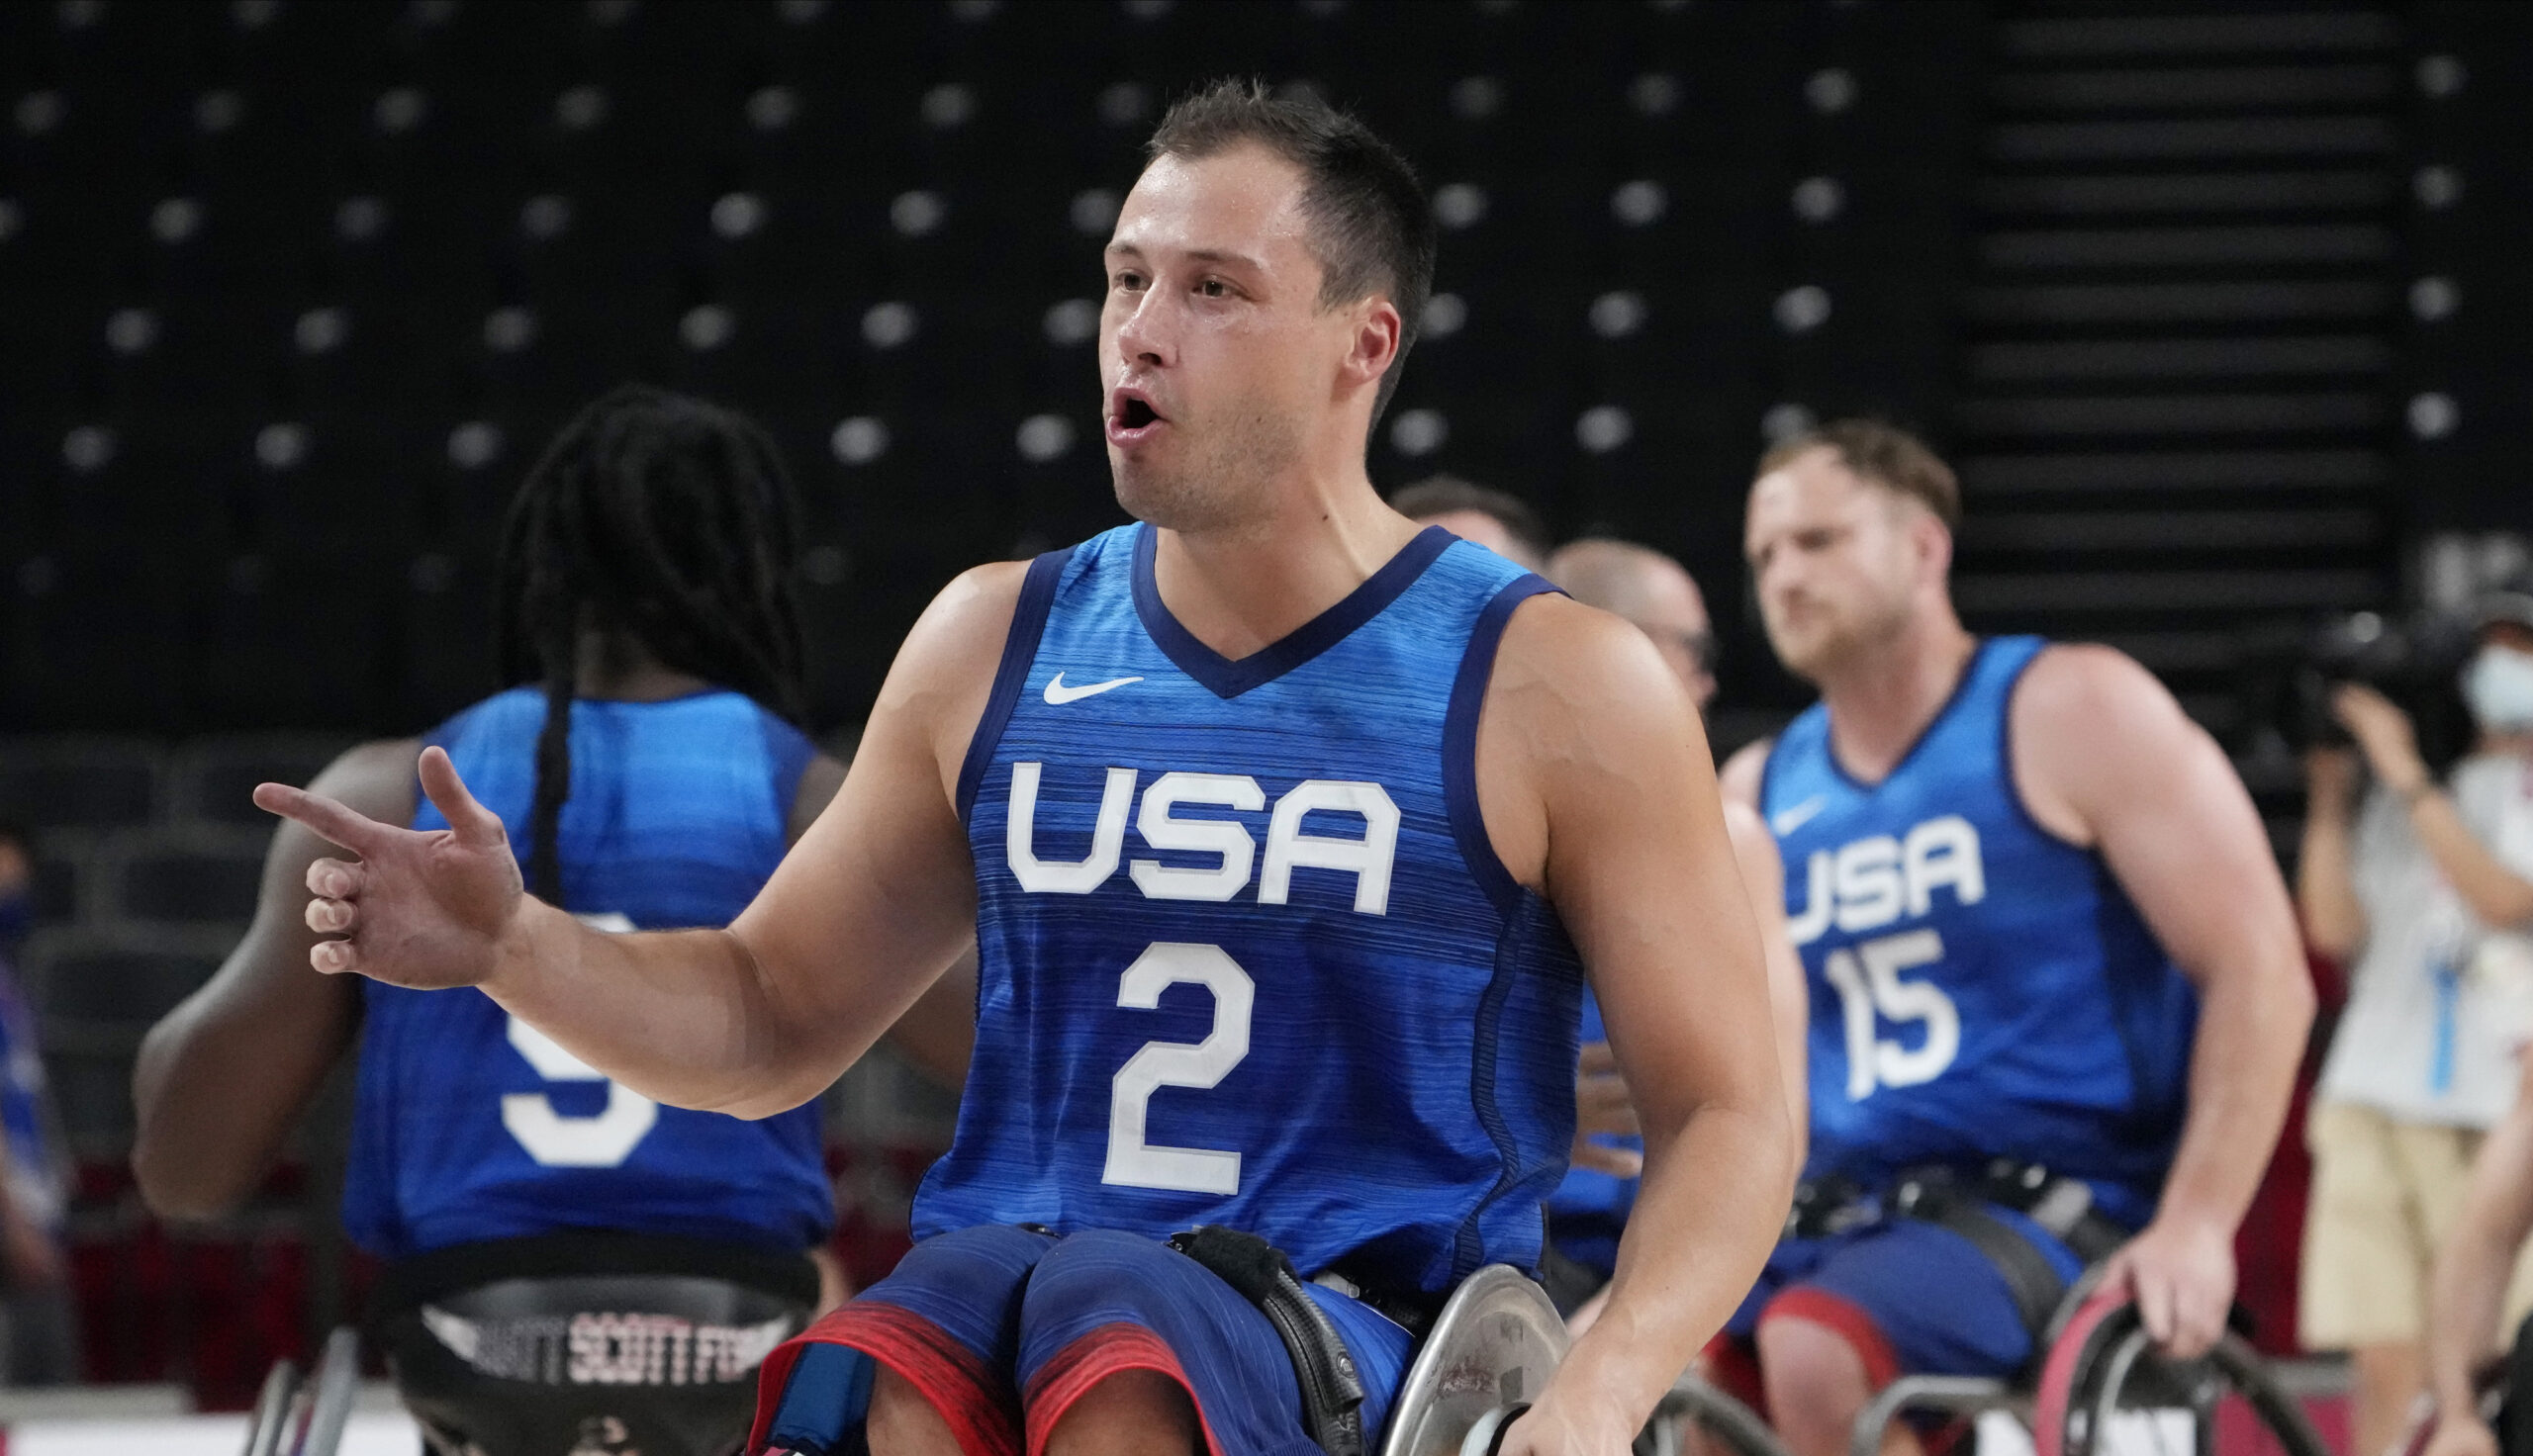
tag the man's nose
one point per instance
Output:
(1145, 334)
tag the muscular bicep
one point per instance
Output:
(2102, 752)
(1637, 860)
(224, 1076)
(878, 896)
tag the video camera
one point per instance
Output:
(2411, 660)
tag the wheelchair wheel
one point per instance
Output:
(2489, 1390)
(330, 1397)
(1696, 1415)
(2104, 1362)
(273, 1409)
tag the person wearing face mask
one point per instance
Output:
(2424, 888)
(38, 1345)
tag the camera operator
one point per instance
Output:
(2425, 889)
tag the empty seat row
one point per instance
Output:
(96, 783)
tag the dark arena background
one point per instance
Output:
(2221, 310)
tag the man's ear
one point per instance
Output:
(1377, 331)
(1933, 542)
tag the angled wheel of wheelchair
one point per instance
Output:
(330, 1396)
(2488, 1396)
(1715, 1414)
(296, 1416)
(271, 1418)
(2104, 1362)
(1493, 1347)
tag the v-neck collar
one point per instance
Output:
(1952, 700)
(1231, 676)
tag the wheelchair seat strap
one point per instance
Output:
(1331, 1389)
(2030, 1279)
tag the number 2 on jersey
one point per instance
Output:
(1134, 1162)
(1869, 983)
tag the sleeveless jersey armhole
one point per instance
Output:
(2006, 757)
(788, 750)
(1767, 774)
(1459, 741)
(1019, 650)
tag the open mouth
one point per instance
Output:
(1131, 417)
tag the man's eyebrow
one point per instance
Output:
(1201, 255)
(1220, 256)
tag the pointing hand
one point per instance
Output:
(422, 909)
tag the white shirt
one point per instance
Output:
(2438, 1004)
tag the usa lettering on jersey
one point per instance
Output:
(1867, 885)
(1368, 859)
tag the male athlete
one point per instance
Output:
(650, 778)
(2057, 995)
(1590, 1208)
(1288, 834)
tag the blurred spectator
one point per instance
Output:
(36, 1344)
(2425, 889)
(1492, 518)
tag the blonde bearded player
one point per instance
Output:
(2055, 981)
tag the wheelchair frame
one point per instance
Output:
(297, 1416)
(2096, 1346)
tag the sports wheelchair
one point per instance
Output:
(296, 1416)
(575, 1344)
(1490, 1350)
(2493, 1388)
(2098, 1364)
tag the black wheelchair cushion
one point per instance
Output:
(586, 1364)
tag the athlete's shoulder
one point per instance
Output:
(2089, 727)
(510, 705)
(2086, 691)
(1596, 667)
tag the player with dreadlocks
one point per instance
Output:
(572, 1267)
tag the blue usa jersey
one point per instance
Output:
(1980, 988)
(474, 1126)
(1246, 954)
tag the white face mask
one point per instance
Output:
(2498, 686)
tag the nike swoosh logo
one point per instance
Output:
(1058, 694)
(1787, 821)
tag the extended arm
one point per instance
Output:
(2472, 1272)
(2498, 896)
(224, 1077)
(2104, 756)
(1596, 785)
(865, 913)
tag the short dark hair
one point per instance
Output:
(1442, 495)
(1371, 227)
(1885, 454)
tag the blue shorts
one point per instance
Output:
(1002, 1329)
(1911, 1297)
